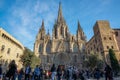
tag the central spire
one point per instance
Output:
(79, 27)
(60, 16)
(42, 27)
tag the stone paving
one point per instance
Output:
(117, 78)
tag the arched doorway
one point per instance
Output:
(61, 59)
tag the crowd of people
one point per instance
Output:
(59, 72)
(73, 73)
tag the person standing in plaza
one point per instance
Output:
(20, 75)
(67, 74)
(11, 74)
(74, 73)
(97, 73)
(37, 73)
(70, 73)
(108, 73)
(41, 73)
(27, 72)
(0, 71)
(53, 70)
(59, 72)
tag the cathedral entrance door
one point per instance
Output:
(61, 59)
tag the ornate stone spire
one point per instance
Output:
(79, 26)
(80, 33)
(41, 32)
(60, 16)
(42, 27)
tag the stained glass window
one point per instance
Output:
(48, 48)
(40, 48)
(75, 48)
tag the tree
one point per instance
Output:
(28, 57)
(94, 60)
(113, 61)
(100, 62)
(35, 61)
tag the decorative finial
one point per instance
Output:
(42, 27)
(48, 32)
(60, 16)
(42, 22)
(79, 27)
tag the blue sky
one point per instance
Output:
(23, 18)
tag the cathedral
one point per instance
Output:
(62, 48)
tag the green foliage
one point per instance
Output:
(28, 57)
(113, 61)
(100, 64)
(93, 61)
(35, 61)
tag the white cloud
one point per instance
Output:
(26, 20)
(47, 12)
(41, 7)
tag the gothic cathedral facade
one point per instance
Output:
(62, 48)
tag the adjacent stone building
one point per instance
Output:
(10, 49)
(62, 48)
(104, 39)
(117, 36)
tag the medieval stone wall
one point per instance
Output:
(103, 40)
(10, 49)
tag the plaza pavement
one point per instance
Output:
(116, 78)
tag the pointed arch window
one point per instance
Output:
(55, 32)
(75, 48)
(17, 55)
(41, 36)
(48, 47)
(40, 48)
(66, 31)
(66, 46)
(8, 51)
(116, 33)
(61, 31)
(3, 47)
